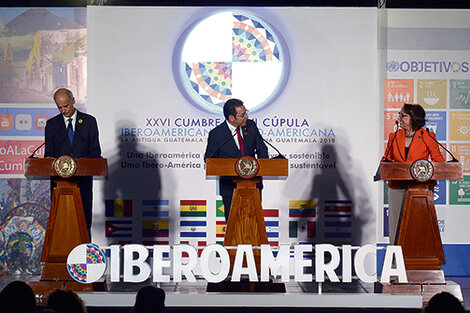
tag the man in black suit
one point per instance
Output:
(75, 134)
(235, 137)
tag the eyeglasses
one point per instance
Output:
(401, 115)
(243, 115)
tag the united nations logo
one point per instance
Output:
(422, 170)
(65, 166)
(86, 263)
(247, 167)
(392, 66)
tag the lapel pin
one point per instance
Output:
(80, 121)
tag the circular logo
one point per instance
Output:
(456, 67)
(392, 66)
(422, 170)
(86, 263)
(230, 54)
(463, 130)
(65, 166)
(247, 167)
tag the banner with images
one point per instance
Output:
(41, 49)
(426, 66)
(156, 81)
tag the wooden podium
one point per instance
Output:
(66, 227)
(246, 221)
(418, 232)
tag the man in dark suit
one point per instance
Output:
(235, 137)
(75, 134)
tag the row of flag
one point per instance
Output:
(154, 224)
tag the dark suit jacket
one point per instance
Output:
(254, 144)
(216, 148)
(86, 144)
(85, 140)
(422, 147)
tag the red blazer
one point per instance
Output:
(422, 147)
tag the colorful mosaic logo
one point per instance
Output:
(86, 263)
(230, 54)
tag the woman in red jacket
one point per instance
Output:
(411, 143)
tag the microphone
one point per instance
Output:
(35, 150)
(80, 137)
(279, 154)
(51, 139)
(215, 151)
(453, 158)
(388, 150)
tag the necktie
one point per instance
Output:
(240, 141)
(70, 130)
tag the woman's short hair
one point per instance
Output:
(417, 115)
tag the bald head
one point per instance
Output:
(64, 100)
(63, 91)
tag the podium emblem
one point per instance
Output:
(422, 170)
(65, 166)
(247, 167)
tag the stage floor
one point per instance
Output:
(298, 295)
(355, 295)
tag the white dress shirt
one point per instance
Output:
(74, 120)
(233, 131)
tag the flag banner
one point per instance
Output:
(155, 228)
(221, 228)
(193, 233)
(338, 221)
(193, 223)
(118, 208)
(193, 228)
(302, 208)
(271, 221)
(199, 245)
(219, 208)
(118, 229)
(155, 208)
(193, 208)
(272, 229)
(338, 208)
(302, 230)
(271, 213)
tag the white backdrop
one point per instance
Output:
(332, 86)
